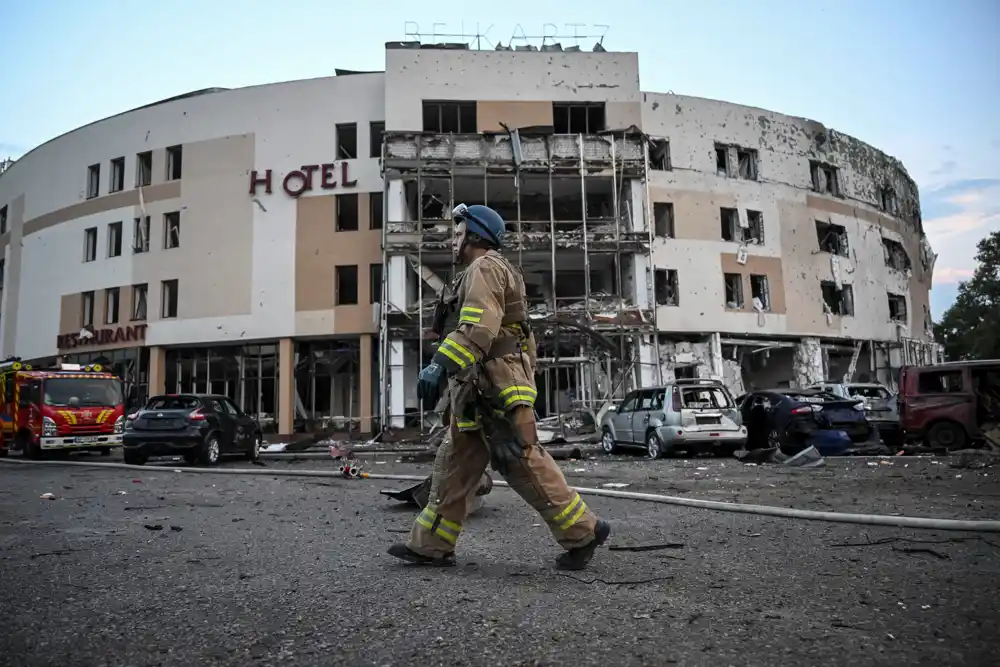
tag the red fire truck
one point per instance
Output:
(70, 408)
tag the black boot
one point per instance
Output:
(403, 552)
(579, 558)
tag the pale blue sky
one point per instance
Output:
(918, 78)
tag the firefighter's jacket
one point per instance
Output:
(491, 350)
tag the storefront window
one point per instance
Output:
(247, 374)
(327, 386)
(130, 364)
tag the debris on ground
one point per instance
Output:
(974, 459)
(47, 496)
(614, 485)
(418, 494)
(807, 458)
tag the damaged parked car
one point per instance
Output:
(878, 403)
(794, 419)
(200, 427)
(952, 405)
(687, 415)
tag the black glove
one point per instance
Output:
(506, 448)
(430, 380)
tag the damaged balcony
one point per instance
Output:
(543, 212)
(581, 290)
(622, 151)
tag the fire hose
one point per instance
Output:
(925, 523)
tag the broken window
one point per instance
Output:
(734, 290)
(730, 219)
(114, 239)
(838, 301)
(897, 307)
(578, 118)
(940, 382)
(174, 162)
(754, 232)
(659, 154)
(759, 290)
(112, 298)
(347, 213)
(747, 160)
(832, 238)
(117, 175)
(171, 230)
(375, 210)
(347, 141)
(450, 117)
(168, 299)
(140, 235)
(93, 181)
(721, 160)
(825, 178)
(90, 244)
(375, 282)
(895, 255)
(87, 309)
(663, 219)
(376, 129)
(139, 293)
(143, 169)
(3, 220)
(887, 200)
(347, 285)
(665, 287)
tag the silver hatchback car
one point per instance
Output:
(687, 414)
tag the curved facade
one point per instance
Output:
(259, 241)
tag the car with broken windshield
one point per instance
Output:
(794, 419)
(692, 415)
(878, 403)
(200, 427)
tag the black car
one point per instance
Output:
(790, 418)
(201, 427)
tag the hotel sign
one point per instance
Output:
(328, 176)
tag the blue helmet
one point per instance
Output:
(482, 221)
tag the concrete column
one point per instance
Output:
(157, 370)
(715, 356)
(397, 384)
(637, 205)
(286, 386)
(808, 363)
(366, 368)
(648, 371)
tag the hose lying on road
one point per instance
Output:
(984, 526)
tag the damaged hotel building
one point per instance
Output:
(285, 244)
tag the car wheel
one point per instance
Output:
(210, 452)
(654, 446)
(608, 443)
(134, 458)
(3, 453)
(947, 435)
(774, 439)
(253, 454)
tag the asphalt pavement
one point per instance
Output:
(164, 568)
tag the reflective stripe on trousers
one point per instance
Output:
(567, 518)
(443, 528)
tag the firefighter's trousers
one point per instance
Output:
(460, 464)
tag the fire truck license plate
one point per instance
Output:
(85, 440)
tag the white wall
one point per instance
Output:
(414, 75)
(293, 123)
(785, 146)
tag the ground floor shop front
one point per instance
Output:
(289, 385)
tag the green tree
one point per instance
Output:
(970, 328)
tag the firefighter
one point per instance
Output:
(487, 361)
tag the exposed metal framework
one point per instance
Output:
(576, 207)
